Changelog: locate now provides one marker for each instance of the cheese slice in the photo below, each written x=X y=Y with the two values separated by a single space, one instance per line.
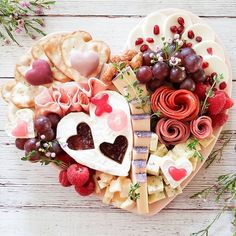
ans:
x=140 y=153
x=141 y=122
x=156 y=197
x=142 y=138
x=136 y=108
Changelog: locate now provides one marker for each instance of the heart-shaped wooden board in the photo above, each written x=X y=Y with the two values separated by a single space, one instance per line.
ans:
x=158 y=206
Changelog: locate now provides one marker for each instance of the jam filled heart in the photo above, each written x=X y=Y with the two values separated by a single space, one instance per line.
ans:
x=117 y=150
x=83 y=140
x=177 y=174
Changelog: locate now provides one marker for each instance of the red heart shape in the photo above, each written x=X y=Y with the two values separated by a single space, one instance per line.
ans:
x=39 y=74
x=21 y=130
x=177 y=174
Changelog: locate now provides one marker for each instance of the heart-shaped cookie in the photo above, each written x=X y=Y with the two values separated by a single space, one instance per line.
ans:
x=104 y=156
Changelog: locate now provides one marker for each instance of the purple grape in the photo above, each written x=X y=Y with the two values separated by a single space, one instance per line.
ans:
x=56 y=148
x=42 y=124
x=199 y=76
x=146 y=58
x=34 y=156
x=177 y=75
x=187 y=52
x=160 y=70
x=192 y=63
x=31 y=145
x=153 y=84
x=54 y=119
x=144 y=74
x=188 y=84
x=20 y=142
x=48 y=135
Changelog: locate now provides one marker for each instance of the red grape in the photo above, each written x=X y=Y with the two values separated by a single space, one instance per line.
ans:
x=34 y=157
x=54 y=119
x=146 y=58
x=56 y=148
x=20 y=142
x=199 y=76
x=192 y=63
x=144 y=74
x=179 y=55
x=42 y=124
x=31 y=145
x=48 y=135
x=160 y=70
x=153 y=84
x=188 y=84
x=177 y=75
x=187 y=52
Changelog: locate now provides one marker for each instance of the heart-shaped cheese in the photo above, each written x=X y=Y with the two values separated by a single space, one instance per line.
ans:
x=176 y=171
x=39 y=74
x=84 y=62
x=98 y=155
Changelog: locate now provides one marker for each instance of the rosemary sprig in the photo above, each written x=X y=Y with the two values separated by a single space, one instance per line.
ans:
x=210 y=93
x=193 y=146
x=132 y=192
x=14 y=18
x=218 y=153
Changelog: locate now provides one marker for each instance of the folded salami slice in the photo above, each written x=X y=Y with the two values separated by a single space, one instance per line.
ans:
x=201 y=127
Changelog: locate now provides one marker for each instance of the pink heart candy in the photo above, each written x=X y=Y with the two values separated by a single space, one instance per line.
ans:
x=177 y=173
x=39 y=74
x=21 y=130
x=84 y=62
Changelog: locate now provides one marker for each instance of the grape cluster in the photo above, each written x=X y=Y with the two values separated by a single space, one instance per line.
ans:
x=45 y=143
x=184 y=74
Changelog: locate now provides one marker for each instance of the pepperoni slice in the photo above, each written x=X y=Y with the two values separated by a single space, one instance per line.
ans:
x=201 y=127
x=177 y=104
x=172 y=132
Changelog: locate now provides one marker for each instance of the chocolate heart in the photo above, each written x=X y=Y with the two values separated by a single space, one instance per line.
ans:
x=117 y=150
x=83 y=139
x=84 y=62
x=39 y=74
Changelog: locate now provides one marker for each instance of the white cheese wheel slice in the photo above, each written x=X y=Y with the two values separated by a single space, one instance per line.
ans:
x=208 y=48
x=216 y=64
x=155 y=18
x=172 y=20
x=199 y=29
x=136 y=33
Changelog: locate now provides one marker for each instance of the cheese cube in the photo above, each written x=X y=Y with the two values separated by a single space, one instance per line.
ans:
x=153 y=165
x=117 y=200
x=107 y=196
x=125 y=187
x=171 y=192
x=165 y=179
x=153 y=143
x=155 y=184
x=128 y=204
x=106 y=178
x=102 y=184
x=205 y=142
x=161 y=150
x=182 y=150
x=194 y=161
x=156 y=197
x=115 y=185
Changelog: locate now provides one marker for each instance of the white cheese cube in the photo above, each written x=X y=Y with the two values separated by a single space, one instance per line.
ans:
x=128 y=204
x=182 y=150
x=205 y=142
x=107 y=196
x=161 y=150
x=102 y=184
x=155 y=184
x=194 y=161
x=115 y=185
x=153 y=142
x=156 y=197
x=171 y=192
x=153 y=165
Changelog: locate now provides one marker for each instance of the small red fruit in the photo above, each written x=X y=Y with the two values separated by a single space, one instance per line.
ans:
x=216 y=103
x=156 y=29
x=180 y=29
x=138 y=41
x=190 y=34
x=78 y=174
x=63 y=179
x=205 y=64
x=213 y=74
x=210 y=51
x=150 y=40
x=189 y=45
x=86 y=189
x=219 y=119
x=144 y=48
x=173 y=29
x=181 y=20
x=222 y=85
x=200 y=90
x=198 y=39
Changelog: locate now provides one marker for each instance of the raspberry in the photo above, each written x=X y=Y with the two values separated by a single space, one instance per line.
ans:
x=78 y=174
x=219 y=119
x=200 y=90
x=86 y=189
x=63 y=178
x=229 y=102
x=216 y=103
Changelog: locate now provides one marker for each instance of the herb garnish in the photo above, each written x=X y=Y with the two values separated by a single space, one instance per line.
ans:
x=193 y=146
x=132 y=192
x=210 y=93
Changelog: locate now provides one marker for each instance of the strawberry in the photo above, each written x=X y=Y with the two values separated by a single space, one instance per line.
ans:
x=200 y=90
x=86 y=189
x=216 y=103
x=219 y=119
x=63 y=178
x=78 y=174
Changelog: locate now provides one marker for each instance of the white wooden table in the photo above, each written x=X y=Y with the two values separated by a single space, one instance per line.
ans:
x=32 y=203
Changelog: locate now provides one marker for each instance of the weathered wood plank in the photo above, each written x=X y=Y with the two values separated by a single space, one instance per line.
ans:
x=139 y=7
x=114 y=31
x=71 y=221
